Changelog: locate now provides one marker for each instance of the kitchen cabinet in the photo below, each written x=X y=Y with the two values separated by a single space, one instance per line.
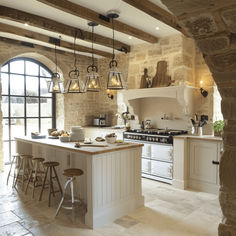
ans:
x=203 y=170
x=196 y=162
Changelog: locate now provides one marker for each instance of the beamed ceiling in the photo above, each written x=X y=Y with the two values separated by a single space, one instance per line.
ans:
x=48 y=19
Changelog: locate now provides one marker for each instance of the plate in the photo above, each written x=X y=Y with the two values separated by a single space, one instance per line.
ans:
x=53 y=137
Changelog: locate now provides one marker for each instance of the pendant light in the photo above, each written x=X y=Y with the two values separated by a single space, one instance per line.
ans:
x=55 y=85
x=74 y=84
x=92 y=81
x=114 y=80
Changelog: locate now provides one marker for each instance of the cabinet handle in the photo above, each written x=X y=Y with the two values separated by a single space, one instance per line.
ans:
x=215 y=162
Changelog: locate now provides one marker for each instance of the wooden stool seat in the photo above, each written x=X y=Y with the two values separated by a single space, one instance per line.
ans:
x=72 y=172
x=51 y=163
x=38 y=159
x=50 y=167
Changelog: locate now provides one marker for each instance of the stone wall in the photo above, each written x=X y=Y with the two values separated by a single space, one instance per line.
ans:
x=177 y=50
x=212 y=25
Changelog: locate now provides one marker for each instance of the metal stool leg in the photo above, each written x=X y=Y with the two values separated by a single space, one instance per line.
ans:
x=72 y=199
x=63 y=195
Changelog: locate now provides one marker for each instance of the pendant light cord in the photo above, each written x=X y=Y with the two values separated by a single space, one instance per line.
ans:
x=113 y=43
x=56 y=56
x=75 y=56
x=92 y=45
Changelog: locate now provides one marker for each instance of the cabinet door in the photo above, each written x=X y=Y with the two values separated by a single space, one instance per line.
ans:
x=202 y=153
x=162 y=152
x=146 y=152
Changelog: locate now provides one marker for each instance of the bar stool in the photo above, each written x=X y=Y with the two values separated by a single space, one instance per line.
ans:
x=25 y=166
x=71 y=174
x=15 y=162
x=50 y=166
x=36 y=174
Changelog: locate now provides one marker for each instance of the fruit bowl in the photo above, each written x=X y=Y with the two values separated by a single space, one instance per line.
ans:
x=64 y=139
x=111 y=139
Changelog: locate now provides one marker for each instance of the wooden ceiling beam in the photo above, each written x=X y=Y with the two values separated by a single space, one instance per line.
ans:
x=57 y=27
x=156 y=12
x=91 y=15
x=35 y=46
x=46 y=39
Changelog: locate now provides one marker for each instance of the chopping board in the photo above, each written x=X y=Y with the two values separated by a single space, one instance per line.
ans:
x=161 y=79
x=78 y=145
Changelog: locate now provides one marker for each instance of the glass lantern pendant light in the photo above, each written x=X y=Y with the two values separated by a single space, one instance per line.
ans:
x=74 y=84
x=92 y=81
x=55 y=85
x=114 y=80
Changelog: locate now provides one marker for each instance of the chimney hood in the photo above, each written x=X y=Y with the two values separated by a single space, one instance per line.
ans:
x=184 y=95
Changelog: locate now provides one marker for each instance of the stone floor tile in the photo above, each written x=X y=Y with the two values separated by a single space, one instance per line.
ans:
x=13 y=229
x=126 y=221
x=7 y=218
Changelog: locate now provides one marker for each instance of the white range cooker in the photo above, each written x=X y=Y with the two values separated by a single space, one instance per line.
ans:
x=157 y=155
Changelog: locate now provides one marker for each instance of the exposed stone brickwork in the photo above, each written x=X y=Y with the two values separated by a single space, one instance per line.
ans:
x=220 y=55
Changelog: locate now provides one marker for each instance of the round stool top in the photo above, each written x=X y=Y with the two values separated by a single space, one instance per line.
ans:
x=16 y=155
x=40 y=159
x=26 y=156
x=51 y=163
x=73 y=172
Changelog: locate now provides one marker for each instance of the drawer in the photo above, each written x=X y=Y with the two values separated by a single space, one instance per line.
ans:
x=146 y=166
x=162 y=152
x=162 y=169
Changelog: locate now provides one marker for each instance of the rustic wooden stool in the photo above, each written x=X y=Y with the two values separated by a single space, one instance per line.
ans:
x=71 y=174
x=50 y=166
x=25 y=166
x=36 y=174
x=15 y=162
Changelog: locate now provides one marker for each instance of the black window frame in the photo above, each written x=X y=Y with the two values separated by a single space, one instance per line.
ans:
x=9 y=96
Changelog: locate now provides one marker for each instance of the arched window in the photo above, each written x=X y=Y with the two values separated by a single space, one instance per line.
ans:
x=26 y=104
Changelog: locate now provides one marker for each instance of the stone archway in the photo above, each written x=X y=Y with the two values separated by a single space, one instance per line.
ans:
x=212 y=23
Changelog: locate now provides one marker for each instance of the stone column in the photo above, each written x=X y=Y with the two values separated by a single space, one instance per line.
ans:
x=213 y=26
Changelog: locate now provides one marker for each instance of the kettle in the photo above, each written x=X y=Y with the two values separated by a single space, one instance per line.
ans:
x=148 y=124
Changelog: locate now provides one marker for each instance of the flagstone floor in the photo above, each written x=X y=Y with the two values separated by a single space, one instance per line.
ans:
x=167 y=212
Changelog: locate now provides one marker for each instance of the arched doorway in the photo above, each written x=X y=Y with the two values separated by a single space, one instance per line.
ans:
x=26 y=104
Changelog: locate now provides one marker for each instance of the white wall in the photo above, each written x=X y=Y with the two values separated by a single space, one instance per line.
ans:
x=154 y=109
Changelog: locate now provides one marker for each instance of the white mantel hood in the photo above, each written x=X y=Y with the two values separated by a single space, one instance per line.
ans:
x=183 y=94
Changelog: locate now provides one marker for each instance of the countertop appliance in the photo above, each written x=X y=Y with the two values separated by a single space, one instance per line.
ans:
x=157 y=154
x=100 y=121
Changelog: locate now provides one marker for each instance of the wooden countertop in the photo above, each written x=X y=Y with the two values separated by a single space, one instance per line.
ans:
x=203 y=137
x=87 y=150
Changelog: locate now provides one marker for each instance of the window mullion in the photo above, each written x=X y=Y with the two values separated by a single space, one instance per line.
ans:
x=39 y=104
x=25 y=112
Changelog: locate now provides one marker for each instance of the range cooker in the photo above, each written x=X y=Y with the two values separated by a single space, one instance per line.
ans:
x=157 y=154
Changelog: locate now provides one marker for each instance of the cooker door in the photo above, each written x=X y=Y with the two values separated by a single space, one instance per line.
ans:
x=162 y=152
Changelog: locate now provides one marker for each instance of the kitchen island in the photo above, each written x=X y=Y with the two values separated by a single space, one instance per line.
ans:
x=111 y=184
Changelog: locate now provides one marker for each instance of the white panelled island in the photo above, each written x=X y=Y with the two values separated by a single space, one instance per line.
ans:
x=111 y=184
